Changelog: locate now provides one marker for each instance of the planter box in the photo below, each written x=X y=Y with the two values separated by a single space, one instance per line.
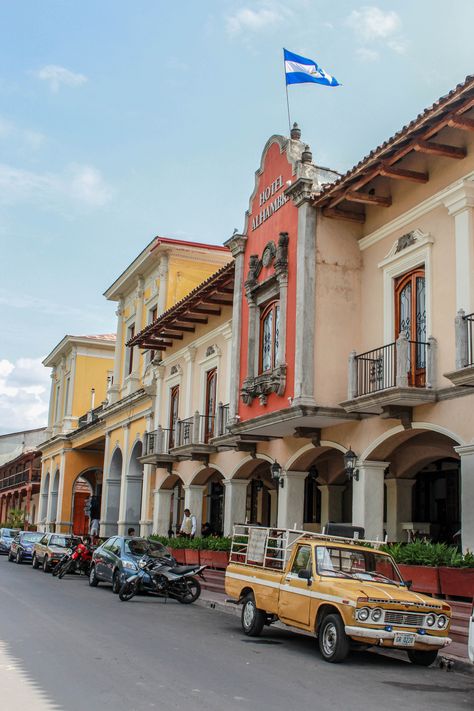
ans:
x=457 y=582
x=425 y=579
x=214 y=559
x=192 y=556
x=179 y=555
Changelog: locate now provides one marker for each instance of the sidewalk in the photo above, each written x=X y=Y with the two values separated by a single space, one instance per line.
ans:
x=455 y=653
x=19 y=693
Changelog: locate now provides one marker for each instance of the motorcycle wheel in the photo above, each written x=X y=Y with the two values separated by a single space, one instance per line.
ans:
x=57 y=568
x=192 y=592
x=65 y=569
x=127 y=591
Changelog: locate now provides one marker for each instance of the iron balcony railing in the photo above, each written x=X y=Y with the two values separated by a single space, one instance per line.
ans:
x=469 y=320
x=198 y=429
x=159 y=441
x=403 y=363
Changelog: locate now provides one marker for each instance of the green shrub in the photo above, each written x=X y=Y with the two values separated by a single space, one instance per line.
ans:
x=429 y=554
x=212 y=544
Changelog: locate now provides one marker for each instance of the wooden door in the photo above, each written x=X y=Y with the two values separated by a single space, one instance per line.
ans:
x=410 y=318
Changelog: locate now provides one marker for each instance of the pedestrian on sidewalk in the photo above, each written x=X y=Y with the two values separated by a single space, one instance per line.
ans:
x=188 y=526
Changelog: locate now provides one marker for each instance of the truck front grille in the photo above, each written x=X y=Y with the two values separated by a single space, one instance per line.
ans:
x=404 y=618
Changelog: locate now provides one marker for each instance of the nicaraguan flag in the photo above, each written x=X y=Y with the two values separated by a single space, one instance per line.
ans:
x=299 y=70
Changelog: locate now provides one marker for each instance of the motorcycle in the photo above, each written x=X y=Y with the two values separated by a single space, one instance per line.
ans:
x=157 y=576
x=78 y=561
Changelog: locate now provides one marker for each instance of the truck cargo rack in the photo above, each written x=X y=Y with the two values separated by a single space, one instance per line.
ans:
x=270 y=547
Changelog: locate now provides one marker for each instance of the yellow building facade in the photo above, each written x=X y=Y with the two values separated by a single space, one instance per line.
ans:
x=103 y=396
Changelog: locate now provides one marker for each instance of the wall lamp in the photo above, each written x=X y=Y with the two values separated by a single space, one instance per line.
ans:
x=276 y=473
x=350 y=459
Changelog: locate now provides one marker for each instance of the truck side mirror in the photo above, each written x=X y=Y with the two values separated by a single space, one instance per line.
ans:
x=408 y=583
x=305 y=575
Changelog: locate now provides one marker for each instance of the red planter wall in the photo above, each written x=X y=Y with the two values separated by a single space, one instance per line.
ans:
x=424 y=578
x=457 y=582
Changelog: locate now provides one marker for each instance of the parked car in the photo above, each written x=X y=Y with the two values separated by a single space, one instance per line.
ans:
x=50 y=549
x=116 y=559
x=471 y=635
x=6 y=537
x=21 y=549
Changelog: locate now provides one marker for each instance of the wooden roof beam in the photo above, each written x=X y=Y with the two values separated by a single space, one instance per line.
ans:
x=181 y=327
x=464 y=123
x=218 y=300
x=347 y=215
x=439 y=149
x=367 y=198
x=206 y=310
x=169 y=333
x=388 y=171
x=194 y=319
x=154 y=346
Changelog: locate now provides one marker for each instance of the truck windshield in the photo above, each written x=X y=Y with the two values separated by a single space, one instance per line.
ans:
x=357 y=564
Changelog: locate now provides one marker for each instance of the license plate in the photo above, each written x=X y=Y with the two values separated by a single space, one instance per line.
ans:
x=404 y=639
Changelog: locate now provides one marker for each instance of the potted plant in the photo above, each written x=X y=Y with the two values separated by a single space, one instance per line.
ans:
x=192 y=551
x=215 y=552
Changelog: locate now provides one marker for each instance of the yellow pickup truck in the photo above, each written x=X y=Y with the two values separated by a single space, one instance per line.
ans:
x=345 y=591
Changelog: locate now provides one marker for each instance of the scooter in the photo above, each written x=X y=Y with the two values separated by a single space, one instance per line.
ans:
x=157 y=576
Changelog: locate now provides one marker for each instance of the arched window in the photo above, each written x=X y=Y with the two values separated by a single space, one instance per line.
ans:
x=269 y=336
x=211 y=396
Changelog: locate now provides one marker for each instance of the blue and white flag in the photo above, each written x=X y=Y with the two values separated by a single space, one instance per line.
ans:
x=299 y=70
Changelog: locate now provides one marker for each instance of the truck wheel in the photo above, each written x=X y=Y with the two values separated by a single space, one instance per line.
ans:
x=422 y=659
x=333 y=641
x=252 y=619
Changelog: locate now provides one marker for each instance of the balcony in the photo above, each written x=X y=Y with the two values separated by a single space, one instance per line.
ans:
x=89 y=417
x=464 y=372
x=15 y=480
x=157 y=447
x=398 y=375
x=194 y=435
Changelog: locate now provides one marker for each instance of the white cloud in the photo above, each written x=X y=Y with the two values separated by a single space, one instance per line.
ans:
x=58 y=76
x=32 y=140
x=366 y=54
x=77 y=186
x=248 y=20
x=371 y=23
x=24 y=394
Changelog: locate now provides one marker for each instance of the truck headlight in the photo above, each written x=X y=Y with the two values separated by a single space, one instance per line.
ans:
x=442 y=622
x=431 y=620
x=376 y=614
x=363 y=614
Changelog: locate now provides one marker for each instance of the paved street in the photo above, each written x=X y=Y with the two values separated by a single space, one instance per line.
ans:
x=66 y=646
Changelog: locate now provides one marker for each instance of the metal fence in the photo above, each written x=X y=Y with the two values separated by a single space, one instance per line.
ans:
x=376 y=369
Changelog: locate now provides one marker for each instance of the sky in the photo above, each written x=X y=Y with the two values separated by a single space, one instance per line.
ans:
x=120 y=121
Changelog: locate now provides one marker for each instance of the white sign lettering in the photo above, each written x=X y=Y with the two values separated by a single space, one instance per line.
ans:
x=273 y=206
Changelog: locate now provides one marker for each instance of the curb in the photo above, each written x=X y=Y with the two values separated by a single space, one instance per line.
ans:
x=445 y=662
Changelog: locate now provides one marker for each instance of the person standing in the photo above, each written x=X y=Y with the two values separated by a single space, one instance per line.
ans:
x=188 y=526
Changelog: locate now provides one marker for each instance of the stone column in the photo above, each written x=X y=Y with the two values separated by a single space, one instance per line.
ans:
x=301 y=192
x=236 y=245
x=331 y=503
x=467 y=496
x=114 y=390
x=105 y=480
x=402 y=348
x=399 y=506
x=163 y=272
x=190 y=358
x=122 y=522
x=235 y=503
x=460 y=205
x=193 y=496
x=145 y=521
x=63 y=522
x=291 y=500
x=252 y=340
x=161 y=511
x=461 y=337
x=367 y=498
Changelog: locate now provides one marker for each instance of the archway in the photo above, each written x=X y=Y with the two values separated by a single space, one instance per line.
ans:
x=261 y=505
x=53 y=511
x=134 y=488
x=171 y=505
x=211 y=480
x=423 y=496
x=326 y=495
x=43 y=504
x=112 y=494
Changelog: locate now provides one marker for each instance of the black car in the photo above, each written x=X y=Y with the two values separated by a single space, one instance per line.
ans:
x=6 y=537
x=117 y=559
x=21 y=549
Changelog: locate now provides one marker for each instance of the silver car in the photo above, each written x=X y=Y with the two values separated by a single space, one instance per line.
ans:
x=6 y=537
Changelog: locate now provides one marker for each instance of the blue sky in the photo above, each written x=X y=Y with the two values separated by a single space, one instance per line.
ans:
x=120 y=121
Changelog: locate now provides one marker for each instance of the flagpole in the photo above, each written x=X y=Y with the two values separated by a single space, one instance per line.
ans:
x=287 y=99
